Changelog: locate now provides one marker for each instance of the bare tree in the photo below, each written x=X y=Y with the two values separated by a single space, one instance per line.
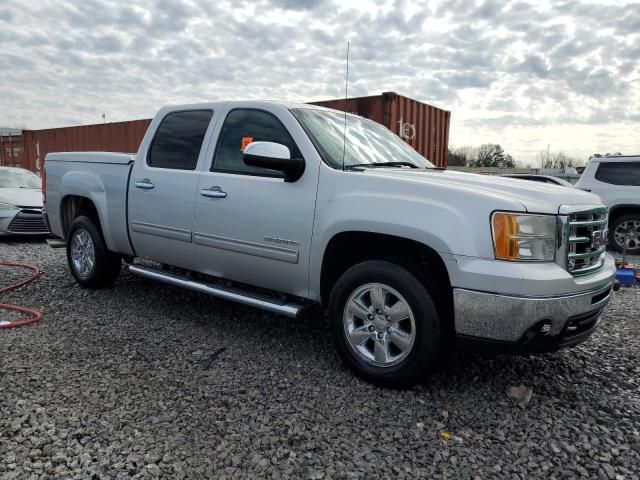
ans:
x=461 y=156
x=548 y=159
x=487 y=155
x=492 y=155
x=599 y=155
x=456 y=158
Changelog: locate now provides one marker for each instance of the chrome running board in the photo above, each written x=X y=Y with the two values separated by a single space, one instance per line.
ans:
x=252 y=299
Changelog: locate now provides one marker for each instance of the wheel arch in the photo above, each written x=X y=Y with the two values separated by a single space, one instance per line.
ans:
x=105 y=206
x=349 y=248
x=73 y=206
x=623 y=209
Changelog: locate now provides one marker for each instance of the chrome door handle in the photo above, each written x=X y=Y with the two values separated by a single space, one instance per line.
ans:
x=213 y=192
x=144 y=184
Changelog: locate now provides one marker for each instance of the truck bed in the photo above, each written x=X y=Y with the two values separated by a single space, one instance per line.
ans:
x=99 y=176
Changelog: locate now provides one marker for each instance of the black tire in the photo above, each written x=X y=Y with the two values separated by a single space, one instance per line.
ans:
x=634 y=235
x=425 y=350
x=106 y=265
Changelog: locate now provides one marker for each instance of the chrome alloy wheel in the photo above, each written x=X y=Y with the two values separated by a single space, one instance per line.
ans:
x=83 y=253
x=379 y=325
x=632 y=229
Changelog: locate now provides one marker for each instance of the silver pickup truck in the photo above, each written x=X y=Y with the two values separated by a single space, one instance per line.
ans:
x=283 y=206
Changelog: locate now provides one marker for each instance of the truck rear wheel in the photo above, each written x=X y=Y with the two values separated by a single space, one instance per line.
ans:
x=91 y=264
x=385 y=324
x=629 y=226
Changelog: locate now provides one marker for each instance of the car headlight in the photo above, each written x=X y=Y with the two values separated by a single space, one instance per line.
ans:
x=7 y=206
x=524 y=237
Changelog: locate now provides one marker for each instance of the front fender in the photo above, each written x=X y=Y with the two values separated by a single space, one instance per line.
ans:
x=449 y=218
x=433 y=223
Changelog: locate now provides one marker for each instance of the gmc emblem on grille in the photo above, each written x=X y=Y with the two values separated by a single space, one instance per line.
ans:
x=597 y=239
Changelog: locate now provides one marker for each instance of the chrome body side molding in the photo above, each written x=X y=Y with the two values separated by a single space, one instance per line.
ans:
x=288 y=255
x=161 y=231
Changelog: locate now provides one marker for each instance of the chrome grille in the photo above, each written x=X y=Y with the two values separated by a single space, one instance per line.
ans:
x=28 y=221
x=587 y=240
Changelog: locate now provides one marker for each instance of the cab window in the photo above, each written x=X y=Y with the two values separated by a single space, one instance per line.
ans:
x=178 y=140
x=241 y=127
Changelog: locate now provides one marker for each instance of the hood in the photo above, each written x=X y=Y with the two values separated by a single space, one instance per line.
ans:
x=22 y=197
x=535 y=197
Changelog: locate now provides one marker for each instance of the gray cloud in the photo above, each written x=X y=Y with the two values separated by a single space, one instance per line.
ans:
x=299 y=4
x=107 y=43
x=6 y=15
x=535 y=65
x=496 y=65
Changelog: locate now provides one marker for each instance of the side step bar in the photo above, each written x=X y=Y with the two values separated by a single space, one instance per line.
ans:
x=233 y=294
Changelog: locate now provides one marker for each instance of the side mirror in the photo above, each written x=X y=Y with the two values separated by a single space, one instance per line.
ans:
x=273 y=156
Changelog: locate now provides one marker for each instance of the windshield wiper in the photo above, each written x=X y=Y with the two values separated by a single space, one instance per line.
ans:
x=381 y=164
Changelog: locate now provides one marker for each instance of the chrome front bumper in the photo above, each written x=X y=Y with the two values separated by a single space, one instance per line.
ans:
x=516 y=319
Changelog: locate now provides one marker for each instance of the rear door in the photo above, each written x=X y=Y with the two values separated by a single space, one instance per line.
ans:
x=162 y=188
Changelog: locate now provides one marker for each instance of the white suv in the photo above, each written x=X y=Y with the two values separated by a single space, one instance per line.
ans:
x=616 y=180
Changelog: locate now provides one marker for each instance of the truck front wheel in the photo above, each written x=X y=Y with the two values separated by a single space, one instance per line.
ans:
x=91 y=264
x=385 y=325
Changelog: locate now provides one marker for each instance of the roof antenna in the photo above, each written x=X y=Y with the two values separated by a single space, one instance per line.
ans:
x=346 y=91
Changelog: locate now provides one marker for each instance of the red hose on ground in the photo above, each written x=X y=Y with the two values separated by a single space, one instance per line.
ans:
x=36 y=316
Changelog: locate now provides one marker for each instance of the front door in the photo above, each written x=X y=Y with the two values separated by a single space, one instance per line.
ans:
x=250 y=225
x=162 y=189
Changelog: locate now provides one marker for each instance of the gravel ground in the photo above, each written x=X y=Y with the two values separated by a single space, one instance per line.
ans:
x=121 y=383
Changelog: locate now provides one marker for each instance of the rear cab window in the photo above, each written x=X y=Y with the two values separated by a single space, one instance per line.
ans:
x=178 y=140
x=619 y=173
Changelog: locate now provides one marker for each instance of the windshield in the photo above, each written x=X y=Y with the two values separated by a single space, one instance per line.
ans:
x=10 y=178
x=367 y=143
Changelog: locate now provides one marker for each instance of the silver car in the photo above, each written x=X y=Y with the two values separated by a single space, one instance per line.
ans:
x=540 y=178
x=20 y=203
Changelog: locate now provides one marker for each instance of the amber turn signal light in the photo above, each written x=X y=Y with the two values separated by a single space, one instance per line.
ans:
x=505 y=236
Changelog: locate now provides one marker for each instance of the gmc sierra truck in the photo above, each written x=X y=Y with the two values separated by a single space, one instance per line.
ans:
x=284 y=206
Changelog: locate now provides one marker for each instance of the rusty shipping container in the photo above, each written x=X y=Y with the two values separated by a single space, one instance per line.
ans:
x=424 y=127
x=108 y=137
x=12 y=151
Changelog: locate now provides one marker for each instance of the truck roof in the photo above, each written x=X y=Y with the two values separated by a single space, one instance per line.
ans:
x=212 y=105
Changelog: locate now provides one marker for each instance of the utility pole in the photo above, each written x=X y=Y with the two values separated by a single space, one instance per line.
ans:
x=548 y=151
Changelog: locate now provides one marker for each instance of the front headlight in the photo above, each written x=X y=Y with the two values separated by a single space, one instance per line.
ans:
x=524 y=237
x=7 y=206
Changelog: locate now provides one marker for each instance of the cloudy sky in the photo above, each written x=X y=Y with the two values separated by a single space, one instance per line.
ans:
x=527 y=75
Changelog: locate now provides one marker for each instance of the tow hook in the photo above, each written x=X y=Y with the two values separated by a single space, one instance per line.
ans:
x=616 y=285
x=545 y=327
